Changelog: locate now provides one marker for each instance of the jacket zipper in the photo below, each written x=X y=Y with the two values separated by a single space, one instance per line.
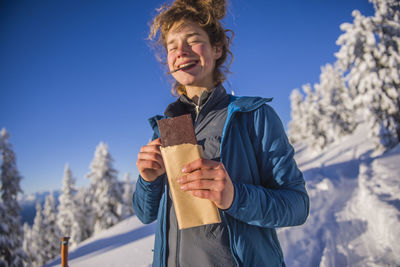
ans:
x=197 y=110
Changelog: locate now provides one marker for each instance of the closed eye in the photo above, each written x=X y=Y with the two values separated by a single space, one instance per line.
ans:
x=171 y=49
x=194 y=42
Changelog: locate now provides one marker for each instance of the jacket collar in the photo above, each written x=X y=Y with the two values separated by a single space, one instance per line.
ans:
x=241 y=104
x=246 y=103
x=184 y=105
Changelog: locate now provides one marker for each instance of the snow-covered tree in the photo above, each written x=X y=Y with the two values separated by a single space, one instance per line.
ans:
x=53 y=234
x=297 y=124
x=3 y=231
x=11 y=252
x=336 y=115
x=27 y=243
x=370 y=54
x=69 y=210
x=37 y=253
x=126 y=207
x=86 y=221
x=315 y=136
x=105 y=189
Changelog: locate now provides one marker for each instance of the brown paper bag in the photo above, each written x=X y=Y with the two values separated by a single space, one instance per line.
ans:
x=190 y=211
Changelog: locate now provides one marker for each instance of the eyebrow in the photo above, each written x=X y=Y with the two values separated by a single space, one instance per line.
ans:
x=186 y=37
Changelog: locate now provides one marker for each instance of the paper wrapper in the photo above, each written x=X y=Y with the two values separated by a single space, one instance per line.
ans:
x=190 y=211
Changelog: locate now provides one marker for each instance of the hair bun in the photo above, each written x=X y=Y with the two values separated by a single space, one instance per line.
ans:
x=215 y=8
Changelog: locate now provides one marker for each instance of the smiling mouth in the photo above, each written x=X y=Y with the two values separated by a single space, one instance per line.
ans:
x=184 y=66
x=187 y=65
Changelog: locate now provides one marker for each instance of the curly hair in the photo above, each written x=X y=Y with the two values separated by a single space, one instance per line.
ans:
x=207 y=14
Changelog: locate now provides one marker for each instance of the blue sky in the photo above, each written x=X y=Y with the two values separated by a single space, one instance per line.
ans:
x=75 y=73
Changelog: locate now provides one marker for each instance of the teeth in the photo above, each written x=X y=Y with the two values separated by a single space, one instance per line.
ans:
x=186 y=65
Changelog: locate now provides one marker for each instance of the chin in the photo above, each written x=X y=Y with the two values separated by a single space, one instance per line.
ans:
x=190 y=80
x=186 y=82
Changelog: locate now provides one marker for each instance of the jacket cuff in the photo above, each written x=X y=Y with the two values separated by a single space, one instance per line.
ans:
x=234 y=206
x=151 y=186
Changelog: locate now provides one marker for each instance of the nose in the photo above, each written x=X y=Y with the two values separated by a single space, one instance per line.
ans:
x=182 y=50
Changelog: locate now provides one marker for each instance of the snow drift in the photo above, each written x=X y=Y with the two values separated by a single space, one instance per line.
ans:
x=354 y=217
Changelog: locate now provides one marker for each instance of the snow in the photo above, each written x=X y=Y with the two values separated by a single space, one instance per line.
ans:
x=376 y=203
x=354 y=218
x=128 y=243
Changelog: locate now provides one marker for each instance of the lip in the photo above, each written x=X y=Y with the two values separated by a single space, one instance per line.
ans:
x=186 y=62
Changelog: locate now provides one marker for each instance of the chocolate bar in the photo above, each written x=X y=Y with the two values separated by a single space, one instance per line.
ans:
x=177 y=130
x=179 y=147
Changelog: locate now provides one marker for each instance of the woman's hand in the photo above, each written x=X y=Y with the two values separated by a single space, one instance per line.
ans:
x=150 y=162
x=208 y=179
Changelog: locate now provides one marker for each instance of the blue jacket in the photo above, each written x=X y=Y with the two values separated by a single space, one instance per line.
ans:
x=269 y=188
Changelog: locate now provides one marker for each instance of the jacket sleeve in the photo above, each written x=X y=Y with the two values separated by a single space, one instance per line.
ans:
x=146 y=199
x=281 y=198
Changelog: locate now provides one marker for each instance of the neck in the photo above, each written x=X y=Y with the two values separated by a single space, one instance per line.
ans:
x=194 y=92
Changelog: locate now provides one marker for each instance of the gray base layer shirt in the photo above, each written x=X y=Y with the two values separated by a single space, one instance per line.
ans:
x=206 y=245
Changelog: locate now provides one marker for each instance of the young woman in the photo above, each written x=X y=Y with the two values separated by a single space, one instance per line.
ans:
x=248 y=171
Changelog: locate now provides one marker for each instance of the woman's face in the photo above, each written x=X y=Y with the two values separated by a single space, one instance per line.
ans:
x=188 y=45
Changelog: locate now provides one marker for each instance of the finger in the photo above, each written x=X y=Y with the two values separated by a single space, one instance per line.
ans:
x=210 y=174
x=155 y=142
x=151 y=148
x=201 y=164
x=148 y=164
x=150 y=156
x=211 y=185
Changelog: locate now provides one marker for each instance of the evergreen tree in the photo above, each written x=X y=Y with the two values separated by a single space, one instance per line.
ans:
x=38 y=239
x=336 y=115
x=296 y=129
x=11 y=252
x=105 y=189
x=127 y=208
x=315 y=136
x=3 y=232
x=26 y=244
x=53 y=234
x=69 y=210
x=370 y=53
x=84 y=199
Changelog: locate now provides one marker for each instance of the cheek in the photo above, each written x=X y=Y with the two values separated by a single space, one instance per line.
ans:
x=206 y=54
x=201 y=51
x=170 y=61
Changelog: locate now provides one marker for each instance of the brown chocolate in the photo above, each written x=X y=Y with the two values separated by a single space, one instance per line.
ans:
x=177 y=130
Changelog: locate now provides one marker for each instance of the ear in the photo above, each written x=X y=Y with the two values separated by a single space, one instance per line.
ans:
x=218 y=51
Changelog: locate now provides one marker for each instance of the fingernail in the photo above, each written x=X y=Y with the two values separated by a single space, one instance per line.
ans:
x=180 y=180
x=183 y=187
x=183 y=169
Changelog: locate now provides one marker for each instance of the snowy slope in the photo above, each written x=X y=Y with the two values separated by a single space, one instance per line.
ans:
x=354 y=218
x=355 y=207
x=129 y=243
